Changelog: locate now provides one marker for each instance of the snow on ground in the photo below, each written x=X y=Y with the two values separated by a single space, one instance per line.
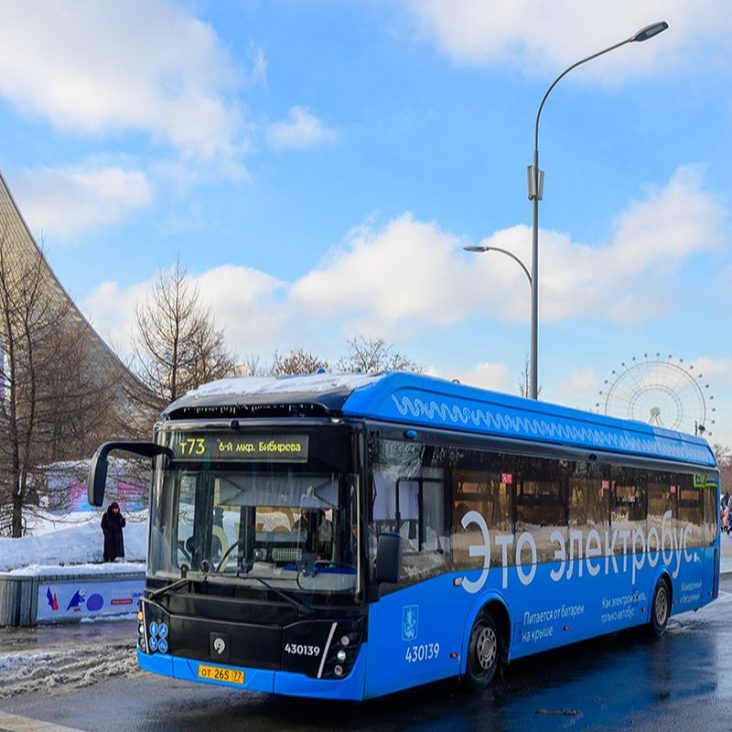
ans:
x=68 y=544
x=65 y=668
x=58 y=540
x=69 y=570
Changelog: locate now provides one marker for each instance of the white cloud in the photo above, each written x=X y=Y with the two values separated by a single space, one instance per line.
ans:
x=713 y=371
x=408 y=272
x=412 y=273
x=494 y=376
x=301 y=129
x=626 y=279
x=409 y=276
x=580 y=383
x=707 y=366
x=64 y=202
x=141 y=65
x=241 y=300
x=244 y=302
x=537 y=36
x=111 y=310
x=259 y=67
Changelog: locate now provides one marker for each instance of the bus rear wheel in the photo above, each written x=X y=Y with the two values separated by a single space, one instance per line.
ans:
x=660 y=608
x=484 y=652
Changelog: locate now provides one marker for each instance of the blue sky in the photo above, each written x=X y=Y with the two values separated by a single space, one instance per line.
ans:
x=318 y=166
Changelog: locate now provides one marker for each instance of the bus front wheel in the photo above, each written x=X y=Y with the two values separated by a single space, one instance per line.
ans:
x=660 y=608
x=484 y=652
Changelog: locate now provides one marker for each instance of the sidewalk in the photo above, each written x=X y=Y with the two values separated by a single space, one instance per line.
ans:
x=725 y=560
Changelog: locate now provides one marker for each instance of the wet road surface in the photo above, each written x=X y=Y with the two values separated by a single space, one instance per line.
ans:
x=625 y=681
x=47 y=637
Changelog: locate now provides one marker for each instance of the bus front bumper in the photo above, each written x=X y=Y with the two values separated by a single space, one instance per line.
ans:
x=350 y=687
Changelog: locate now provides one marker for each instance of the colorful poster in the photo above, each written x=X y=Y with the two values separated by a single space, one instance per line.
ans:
x=78 y=599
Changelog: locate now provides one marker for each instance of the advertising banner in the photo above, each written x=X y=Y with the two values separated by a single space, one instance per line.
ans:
x=75 y=599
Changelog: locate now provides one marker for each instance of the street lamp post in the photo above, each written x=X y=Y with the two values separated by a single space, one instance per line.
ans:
x=536 y=185
x=502 y=251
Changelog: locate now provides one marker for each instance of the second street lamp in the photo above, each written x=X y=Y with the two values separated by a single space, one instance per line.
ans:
x=502 y=251
x=536 y=185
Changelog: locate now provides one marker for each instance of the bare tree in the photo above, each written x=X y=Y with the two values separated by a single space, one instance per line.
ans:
x=53 y=402
x=251 y=365
x=177 y=344
x=724 y=464
x=523 y=385
x=370 y=355
x=297 y=361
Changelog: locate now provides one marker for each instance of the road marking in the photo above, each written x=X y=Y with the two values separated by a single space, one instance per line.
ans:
x=13 y=723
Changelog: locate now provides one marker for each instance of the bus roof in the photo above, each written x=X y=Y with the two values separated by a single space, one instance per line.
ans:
x=431 y=402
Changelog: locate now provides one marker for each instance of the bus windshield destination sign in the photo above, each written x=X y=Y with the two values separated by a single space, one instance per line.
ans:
x=241 y=448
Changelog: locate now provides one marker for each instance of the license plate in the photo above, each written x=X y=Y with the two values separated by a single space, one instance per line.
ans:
x=215 y=673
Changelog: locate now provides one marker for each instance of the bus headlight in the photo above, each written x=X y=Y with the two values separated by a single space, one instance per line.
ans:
x=343 y=652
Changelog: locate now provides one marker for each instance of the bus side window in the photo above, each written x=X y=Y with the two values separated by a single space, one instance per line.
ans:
x=482 y=483
x=422 y=524
x=662 y=499
x=588 y=504
x=408 y=498
x=711 y=513
x=433 y=516
x=187 y=484
x=691 y=511
x=541 y=505
x=628 y=504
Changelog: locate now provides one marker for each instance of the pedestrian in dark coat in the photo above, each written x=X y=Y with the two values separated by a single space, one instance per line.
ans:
x=112 y=524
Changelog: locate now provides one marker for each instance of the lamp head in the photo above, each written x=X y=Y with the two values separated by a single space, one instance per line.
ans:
x=475 y=249
x=649 y=31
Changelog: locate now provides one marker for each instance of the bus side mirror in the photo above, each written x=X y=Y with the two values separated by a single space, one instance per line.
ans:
x=97 y=479
x=388 y=558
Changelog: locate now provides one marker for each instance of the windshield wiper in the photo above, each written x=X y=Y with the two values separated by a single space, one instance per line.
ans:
x=168 y=588
x=303 y=607
x=184 y=580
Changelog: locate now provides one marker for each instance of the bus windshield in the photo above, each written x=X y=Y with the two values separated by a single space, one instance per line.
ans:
x=291 y=522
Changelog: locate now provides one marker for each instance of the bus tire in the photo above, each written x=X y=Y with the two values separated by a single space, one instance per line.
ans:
x=484 y=652
x=660 y=608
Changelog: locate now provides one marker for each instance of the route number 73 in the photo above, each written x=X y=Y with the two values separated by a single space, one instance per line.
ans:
x=193 y=446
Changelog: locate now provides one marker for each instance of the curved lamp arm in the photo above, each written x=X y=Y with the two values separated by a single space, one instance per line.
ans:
x=642 y=35
x=503 y=251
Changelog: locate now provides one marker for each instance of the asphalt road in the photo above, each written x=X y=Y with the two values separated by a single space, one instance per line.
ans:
x=625 y=681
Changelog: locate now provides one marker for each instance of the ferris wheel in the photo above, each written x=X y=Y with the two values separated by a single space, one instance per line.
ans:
x=662 y=391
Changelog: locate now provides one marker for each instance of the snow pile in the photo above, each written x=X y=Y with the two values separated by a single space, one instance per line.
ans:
x=45 y=671
x=72 y=539
x=247 y=385
x=69 y=570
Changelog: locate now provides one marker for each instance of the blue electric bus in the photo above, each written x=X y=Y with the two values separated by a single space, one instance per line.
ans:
x=348 y=536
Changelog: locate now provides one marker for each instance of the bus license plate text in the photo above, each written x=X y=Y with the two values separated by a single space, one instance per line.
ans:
x=221 y=674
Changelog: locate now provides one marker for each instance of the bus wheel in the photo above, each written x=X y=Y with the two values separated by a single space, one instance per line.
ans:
x=483 y=652
x=660 y=609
